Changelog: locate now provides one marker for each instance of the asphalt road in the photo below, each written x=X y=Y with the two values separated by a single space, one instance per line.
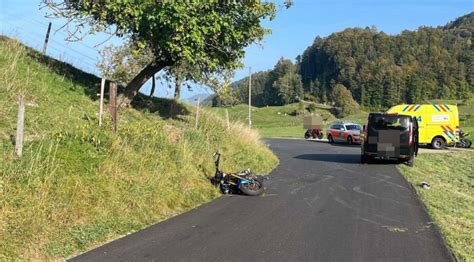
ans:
x=320 y=205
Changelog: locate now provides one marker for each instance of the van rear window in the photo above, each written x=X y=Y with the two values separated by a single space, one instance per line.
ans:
x=394 y=122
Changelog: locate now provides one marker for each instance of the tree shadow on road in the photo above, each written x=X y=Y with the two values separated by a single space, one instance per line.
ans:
x=343 y=158
x=333 y=144
x=336 y=158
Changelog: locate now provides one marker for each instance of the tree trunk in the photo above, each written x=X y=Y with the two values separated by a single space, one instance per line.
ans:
x=132 y=88
x=177 y=87
x=152 y=86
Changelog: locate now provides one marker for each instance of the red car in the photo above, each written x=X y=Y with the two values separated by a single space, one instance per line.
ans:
x=346 y=132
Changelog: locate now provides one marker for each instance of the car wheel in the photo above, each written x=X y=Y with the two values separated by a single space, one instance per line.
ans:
x=330 y=139
x=349 y=140
x=306 y=135
x=410 y=160
x=438 y=143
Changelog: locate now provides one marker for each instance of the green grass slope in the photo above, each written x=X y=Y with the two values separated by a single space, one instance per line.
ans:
x=77 y=185
x=450 y=201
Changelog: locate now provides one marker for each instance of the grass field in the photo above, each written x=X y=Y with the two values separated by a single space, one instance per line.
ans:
x=77 y=185
x=286 y=121
x=281 y=121
x=450 y=201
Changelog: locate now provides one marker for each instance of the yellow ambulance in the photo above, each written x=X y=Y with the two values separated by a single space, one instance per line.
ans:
x=438 y=123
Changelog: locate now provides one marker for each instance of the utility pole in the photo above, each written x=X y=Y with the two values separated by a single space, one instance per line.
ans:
x=46 y=39
x=250 y=97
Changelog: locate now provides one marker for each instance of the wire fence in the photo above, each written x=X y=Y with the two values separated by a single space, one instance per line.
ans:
x=32 y=31
x=26 y=30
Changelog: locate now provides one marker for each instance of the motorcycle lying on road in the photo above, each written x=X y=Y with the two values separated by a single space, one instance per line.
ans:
x=464 y=142
x=241 y=182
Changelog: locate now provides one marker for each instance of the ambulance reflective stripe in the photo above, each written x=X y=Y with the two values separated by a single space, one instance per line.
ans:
x=451 y=131
x=411 y=108
x=447 y=130
x=445 y=105
x=435 y=106
x=442 y=108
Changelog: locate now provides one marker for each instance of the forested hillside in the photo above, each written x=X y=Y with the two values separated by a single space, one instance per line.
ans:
x=379 y=70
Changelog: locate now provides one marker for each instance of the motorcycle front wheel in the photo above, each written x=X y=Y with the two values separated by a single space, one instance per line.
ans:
x=466 y=143
x=254 y=188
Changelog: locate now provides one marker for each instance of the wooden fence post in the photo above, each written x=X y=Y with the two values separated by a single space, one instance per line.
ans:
x=20 y=126
x=227 y=118
x=113 y=103
x=197 y=113
x=101 y=100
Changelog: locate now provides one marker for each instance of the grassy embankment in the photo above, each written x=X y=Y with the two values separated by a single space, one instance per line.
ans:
x=77 y=185
x=450 y=201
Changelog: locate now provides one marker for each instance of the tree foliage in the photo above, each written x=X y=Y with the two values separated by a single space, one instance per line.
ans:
x=344 y=104
x=382 y=70
x=123 y=63
x=210 y=35
x=279 y=86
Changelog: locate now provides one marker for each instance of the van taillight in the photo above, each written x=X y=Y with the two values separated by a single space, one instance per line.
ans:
x=457 y=130
x=366 y=133
x=410 y=142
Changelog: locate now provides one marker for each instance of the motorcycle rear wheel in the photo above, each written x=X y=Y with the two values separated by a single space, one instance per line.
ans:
x=254 y=188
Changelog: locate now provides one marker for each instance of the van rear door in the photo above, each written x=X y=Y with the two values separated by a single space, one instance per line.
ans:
x=388 y=135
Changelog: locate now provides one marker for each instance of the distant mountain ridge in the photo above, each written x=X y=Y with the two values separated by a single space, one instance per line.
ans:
x=193 y=100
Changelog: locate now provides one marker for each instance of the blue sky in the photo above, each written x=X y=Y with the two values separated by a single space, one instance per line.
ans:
x=293 y=29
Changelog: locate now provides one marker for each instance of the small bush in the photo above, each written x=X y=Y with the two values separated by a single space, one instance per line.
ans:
x=311 y=108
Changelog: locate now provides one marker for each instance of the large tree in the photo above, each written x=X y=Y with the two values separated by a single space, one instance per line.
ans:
x=210 y=35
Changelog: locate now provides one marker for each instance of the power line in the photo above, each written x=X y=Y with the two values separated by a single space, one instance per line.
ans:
x=92 y=59
x=35 y=22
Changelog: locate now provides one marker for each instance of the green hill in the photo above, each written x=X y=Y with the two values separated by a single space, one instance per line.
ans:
x=379 y=70
x=78 y=185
